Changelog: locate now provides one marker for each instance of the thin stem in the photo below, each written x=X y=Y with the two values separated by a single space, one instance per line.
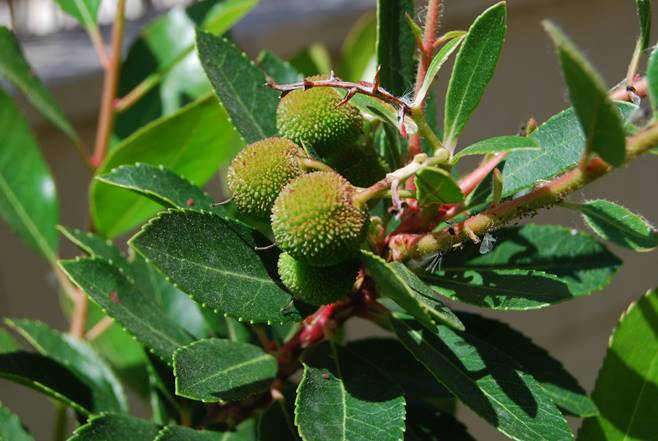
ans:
x=432 y=23
x=12 y=15
x=99 y=45
x=417 y=114
x=312 y=164
x=99 y=328
x=110 y=84
x=60 y=426
x=635 y=61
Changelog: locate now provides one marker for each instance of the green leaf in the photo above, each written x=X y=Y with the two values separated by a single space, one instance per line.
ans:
x=45 y=375
x=96 y=247
x=343 y=397
x=240 y=86
x=279 y=70
x=474 y=68
x=396 y=46
x=276 y=423
x=137 y=312
x=540 y=265
x=180 y=433
x=626 y=390
x=396 y=281
x=191 y=143
x=115 y=427
x=604 y=130
x=617 y=224
x=652 y=78
x=436 y=186
x=217 y=370
x=437 y=62
x=28 y=199
x=486 y=380
x=562 y=144
x=497 y=145
x=312 y=60
x=214 y=261
x=84 y=11
x=7 y=342
x=644 y=14
x=11 y=428
x=79 y=358
x=558 y=383
x=15 y=68
x=432 y=425
x=358 y=50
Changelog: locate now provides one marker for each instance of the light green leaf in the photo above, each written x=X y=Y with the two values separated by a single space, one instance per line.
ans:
x=530 y=267
x=114 y=428
x=240 y=86
x=617 y=224
x=343 y=397
x=652 y=78
x=396 y=46
x=180 y=433
x=279 y=70
x=136 y=311
x=7 y=342
x=191 y=143
x=84 y=11
x=217 y=370
x=626 y=390
x=474 y=68
x=28 y=199
x=396 y=281
x=486 y=380
x=644 y=14
x=498 y=144
x=358 y=50
x=604 y=130
x=439 y=60
x=436 y=186
x=79 y=358
x=214 y=261
x=558 y=383
x=11 y=428
x=14 y=67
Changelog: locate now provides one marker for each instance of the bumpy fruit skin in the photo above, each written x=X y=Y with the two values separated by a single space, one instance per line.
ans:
x=315 y=221
x=315 y=285
x=311 y=119
x=260 y=171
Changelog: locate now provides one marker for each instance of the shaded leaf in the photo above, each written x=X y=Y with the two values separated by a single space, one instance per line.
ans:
x=343 y=397
x=497 y=145
x=222 y=370
x=358 y=51
x=96 y=246
x=436 y=186
x=179 y=433
x=604 y=130
x=28 y=199
x=644 y=14
x=11 y=428
x=115 y=427
x=279 y=70
x=396 y=46
x=474 y=68
x=437 y=62
x=396 y=281
x=486 y=380
x=626 y=390
x=276 y=423
x=214 y=261
x=240 y=86
x=425 y=423
x=312 y=60
x=84 y=11
x=137 y=312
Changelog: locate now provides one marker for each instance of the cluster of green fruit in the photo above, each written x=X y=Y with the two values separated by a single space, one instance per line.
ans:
x=315 y=218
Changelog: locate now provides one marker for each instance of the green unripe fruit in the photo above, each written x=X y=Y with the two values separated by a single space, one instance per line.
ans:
x=312 y=119
x=315 y=285
x=315 y=220
x=260 y=171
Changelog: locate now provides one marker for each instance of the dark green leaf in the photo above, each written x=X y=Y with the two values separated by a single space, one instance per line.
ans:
x=474 y=68
x=214 y=261
x=222 y=370
x=28 y=200
x=11 y=428
x=652 y=78
x=84 y=11
x=558 y=383
x=114 y=428
x=343 y=397
x=486 y=380
x=540 y=264
x=626 y=390
x=497 y=145
x=14 y=67
x=425 y=423
x=312 y=60
x=137 y=312
x=45 y=375
x=604 y=130
x=436 y=186
x=617 y=224
x=79 y=358
x=279 y=70
x=358 y=51
x=179 y=433
x=396 y=46
x=96 y=246
x=562 y=145
x=396 y=281
x=191 y=143
x=439 y=59
x=240 y=86
x=644 y=14
x=276 y=423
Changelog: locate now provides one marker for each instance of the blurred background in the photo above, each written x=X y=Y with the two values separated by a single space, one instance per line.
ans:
x=527 y=83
